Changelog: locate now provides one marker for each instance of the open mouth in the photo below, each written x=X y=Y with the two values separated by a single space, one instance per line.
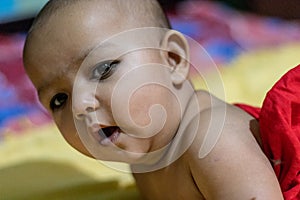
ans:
x=110 y=134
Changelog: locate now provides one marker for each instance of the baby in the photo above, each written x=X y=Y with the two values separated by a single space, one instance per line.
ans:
x=114 y=76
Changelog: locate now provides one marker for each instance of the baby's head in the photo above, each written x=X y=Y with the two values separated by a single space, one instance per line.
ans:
x=96 y=65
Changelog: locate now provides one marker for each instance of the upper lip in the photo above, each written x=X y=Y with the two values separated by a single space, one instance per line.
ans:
x=95 y=129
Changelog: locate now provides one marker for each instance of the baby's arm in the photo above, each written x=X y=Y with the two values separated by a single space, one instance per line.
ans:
x=236 y=168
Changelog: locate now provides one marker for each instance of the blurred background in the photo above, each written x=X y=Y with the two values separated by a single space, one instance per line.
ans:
x=252 y=43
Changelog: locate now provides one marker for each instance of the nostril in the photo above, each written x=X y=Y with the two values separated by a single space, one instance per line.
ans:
x=79 y=116
x=89 y=109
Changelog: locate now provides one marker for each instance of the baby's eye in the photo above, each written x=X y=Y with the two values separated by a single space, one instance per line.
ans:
x=104 y=69
x=58 y=101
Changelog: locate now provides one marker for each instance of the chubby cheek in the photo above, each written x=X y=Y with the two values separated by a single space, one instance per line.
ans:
x=152 y=106
x=140 y=104
x=67 y=128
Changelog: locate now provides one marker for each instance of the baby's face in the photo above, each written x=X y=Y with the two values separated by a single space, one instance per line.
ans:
x=112 y=98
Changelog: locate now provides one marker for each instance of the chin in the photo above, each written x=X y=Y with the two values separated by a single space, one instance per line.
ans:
x=130 y=157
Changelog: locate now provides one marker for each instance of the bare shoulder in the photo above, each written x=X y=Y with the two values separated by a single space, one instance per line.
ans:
x=220 y=123
x=225 y=159
x=217 y=115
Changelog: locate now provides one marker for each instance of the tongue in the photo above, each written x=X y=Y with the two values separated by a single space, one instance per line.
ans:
x=111 y=139
x=111 y=135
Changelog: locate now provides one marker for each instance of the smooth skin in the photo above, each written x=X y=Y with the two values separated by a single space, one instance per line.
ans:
x=235 y=168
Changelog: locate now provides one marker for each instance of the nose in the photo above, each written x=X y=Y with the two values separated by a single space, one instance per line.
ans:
x=84 y=102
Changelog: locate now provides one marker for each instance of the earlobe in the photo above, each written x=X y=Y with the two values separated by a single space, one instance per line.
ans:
x=175 y=53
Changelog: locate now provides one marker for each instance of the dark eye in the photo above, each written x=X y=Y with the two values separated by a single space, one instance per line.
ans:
x=103 y=70
x=58 y=101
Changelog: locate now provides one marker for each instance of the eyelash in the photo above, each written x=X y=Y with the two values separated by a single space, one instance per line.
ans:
x=59 y=98
x=106 y=69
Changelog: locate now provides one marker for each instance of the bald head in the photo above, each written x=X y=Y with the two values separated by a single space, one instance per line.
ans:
x=102 y=42
x=137 y=13
x=66 y=31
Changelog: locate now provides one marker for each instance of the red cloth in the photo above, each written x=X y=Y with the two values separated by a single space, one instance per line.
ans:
x=279 y=120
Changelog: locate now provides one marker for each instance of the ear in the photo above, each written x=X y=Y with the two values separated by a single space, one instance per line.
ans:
x=175 y=53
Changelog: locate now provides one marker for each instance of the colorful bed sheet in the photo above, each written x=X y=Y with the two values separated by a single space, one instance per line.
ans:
x=251 y=53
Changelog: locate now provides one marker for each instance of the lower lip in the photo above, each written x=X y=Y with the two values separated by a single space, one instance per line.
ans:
x=112 y=139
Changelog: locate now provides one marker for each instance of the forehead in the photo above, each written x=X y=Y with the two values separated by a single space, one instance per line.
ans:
x=69 y=35
x=65 y=38
x=69 y=28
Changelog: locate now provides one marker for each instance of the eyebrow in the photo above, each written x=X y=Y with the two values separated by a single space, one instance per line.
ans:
x=78 y=61
x=41 y=90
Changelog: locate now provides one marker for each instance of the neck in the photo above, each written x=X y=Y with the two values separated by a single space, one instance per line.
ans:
x=179 y=144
